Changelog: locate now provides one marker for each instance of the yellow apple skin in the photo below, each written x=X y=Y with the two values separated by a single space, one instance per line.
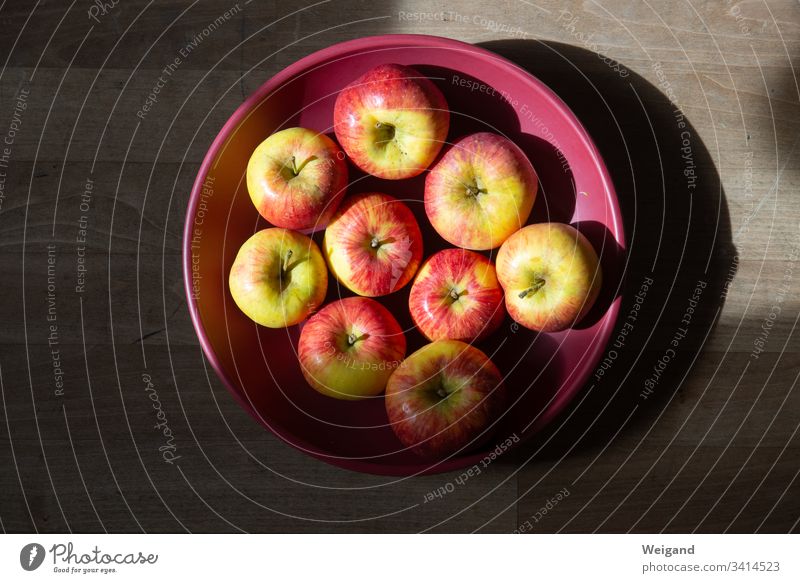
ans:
x=550 y=274
x=480 y=191
x=278 y=277
x=297 y=178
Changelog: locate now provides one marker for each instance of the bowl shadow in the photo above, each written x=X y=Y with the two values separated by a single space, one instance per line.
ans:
x=679 y=242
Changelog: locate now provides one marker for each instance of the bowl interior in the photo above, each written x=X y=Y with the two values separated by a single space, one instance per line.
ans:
x=485 y=93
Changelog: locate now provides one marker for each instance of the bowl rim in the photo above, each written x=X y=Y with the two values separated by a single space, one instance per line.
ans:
x=316 y=59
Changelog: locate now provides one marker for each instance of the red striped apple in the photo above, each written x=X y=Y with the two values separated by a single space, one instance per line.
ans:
x=373 y=244
x=550 y=274
x=278 y=277
x=297 y=178
x=391 y=121
x=480 y=191
x=456 y=295
x=443 y=398
x=349 y=349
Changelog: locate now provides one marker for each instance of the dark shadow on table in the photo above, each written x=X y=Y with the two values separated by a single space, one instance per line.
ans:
x=678 y=238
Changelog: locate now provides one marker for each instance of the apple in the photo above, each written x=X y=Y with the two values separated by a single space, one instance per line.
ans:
x=296 y=178
x=456 y=295
x=373 y=244
x=391 y=121
x=550 y=274
x=444 y=398
x=480 y=191
x=278 y=277
x=349 y=349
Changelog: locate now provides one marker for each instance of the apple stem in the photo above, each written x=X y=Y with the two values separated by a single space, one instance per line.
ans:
x=454 y=294
x=375 y=243
x=474 y=190
x=538 y=283
x=352 y=338
x=294 y=166
x=441 y=392
x=289 y=254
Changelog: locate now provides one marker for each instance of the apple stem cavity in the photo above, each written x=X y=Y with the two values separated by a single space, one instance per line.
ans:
x=386 y=132
x=538 y=283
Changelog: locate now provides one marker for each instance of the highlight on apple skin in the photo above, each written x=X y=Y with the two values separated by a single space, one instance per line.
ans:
x=278 y=277
x=392 y=121
x=456 y=295
x=480 y=192
x=297 y=178
x=373 y=244
x=349 y=349
x=443 y=398
x=551 y=276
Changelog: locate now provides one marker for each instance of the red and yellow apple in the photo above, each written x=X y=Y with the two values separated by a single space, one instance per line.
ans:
x=550 y=274
x=278 y=277
x=373 y=244
x=297 y=178
x=391 y=121
x=444 y=398
x=480 y=191
x=349 y=349
x=456 y=295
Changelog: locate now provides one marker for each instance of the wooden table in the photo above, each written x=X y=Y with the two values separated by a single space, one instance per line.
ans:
x=695 y=107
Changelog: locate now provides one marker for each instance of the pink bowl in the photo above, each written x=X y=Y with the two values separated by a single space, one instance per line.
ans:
x=485 y=92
